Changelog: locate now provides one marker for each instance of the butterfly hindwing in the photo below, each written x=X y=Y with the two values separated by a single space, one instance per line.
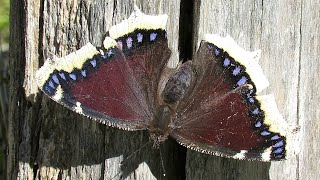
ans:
x=222 y=114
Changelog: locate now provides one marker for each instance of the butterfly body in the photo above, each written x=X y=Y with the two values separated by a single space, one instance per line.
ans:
x=208 y=104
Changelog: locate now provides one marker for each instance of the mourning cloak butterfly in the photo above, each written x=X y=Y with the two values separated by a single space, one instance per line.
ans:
x=208 y=104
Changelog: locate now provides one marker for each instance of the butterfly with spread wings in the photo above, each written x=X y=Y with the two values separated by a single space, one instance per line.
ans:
x=209 y=104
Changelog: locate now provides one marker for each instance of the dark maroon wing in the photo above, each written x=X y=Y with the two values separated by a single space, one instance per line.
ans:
x=221 y=114
x=114 y=84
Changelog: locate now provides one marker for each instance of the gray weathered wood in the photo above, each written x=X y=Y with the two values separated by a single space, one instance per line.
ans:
x=287 y=32
x=309 y=91
x=4 y=101
x=48 y=141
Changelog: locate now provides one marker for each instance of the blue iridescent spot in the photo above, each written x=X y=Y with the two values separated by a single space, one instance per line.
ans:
x=51 y=84
x=110 y=53
x=55 y=79
x=153 y=36
x=210 y=46
x=258 y=124
x=48 y=90
x=61 y=74
x=217 y=51
x=73 y=76
x=255 y=111
x=139 y=37
x=250 y=93
x=278 y=156
x=120 y=44
x=278 y=144
x=93 y=62
x=275 y=137
x=277 y=151
x=265 y=133
x=129 y=42
x=226 y=62
x=249 y=96
x=236 y=71
x=84 y=73
x=242 y=81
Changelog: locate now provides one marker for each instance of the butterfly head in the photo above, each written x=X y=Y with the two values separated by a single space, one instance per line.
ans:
x=158 y=138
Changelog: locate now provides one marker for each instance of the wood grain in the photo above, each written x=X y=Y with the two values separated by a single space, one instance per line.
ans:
x=309 y=91
x=47 y=141
x=287 y=34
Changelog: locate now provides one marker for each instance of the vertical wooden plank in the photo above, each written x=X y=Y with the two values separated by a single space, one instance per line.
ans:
x=94 y=150
x=49 y=142
x=273 y=27
x=280 y=44
x=17 y=100
x=309 y=91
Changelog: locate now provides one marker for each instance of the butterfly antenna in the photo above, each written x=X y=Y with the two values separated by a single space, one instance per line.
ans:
x=135 y=152
x=162 y=164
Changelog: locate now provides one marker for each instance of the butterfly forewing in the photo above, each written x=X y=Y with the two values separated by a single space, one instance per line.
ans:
x=118 y=83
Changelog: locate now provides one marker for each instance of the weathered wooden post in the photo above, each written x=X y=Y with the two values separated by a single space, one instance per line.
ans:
x=47 y=141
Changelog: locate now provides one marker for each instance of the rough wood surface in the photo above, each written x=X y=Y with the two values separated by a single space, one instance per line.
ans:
x=47 y=141
x=287 y=32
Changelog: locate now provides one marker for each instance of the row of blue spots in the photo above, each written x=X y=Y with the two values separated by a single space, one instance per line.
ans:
x=50 y=86
x=242 y=81
x=93 y=63
x=278 y=149
x=73 y=76
x=55 y=79
x=139 y=39
x=227 y=62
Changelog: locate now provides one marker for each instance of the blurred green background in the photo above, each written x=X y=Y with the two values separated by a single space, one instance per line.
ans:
x=4 y=21
x=4 y=81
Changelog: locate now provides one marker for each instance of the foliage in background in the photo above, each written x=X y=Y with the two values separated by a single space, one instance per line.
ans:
x=4 y=21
